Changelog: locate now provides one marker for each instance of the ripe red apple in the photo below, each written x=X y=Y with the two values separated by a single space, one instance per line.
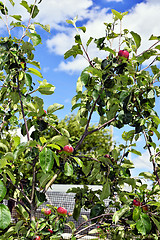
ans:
x=107 y=156
x=68 y=149
x=50 y=230
x=123 y=53
x=61 y=211
x=136 y=202
x=38 y=238
x=45 y=112
x=46 y=211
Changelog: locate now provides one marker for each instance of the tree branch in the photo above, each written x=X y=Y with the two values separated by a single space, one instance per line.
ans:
x=21 y=191
x=152 y=158
x=21 y=203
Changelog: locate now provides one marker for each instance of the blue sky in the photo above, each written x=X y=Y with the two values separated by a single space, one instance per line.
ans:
x=143 y=18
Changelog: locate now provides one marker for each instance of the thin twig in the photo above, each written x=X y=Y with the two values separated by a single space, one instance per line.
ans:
x=51 y=182
x=87 y=125
x=21 y=203
x=148 y=48
x=152 y=158
x=21 y=191
x=22 y=109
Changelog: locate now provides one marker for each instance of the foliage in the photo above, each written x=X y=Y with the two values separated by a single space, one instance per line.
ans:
x=99 y=144
x=121 y=92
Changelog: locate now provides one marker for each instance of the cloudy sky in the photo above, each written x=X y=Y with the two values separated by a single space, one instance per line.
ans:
x=143 y=17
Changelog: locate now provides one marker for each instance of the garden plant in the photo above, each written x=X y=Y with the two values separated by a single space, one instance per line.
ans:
x=123 y=93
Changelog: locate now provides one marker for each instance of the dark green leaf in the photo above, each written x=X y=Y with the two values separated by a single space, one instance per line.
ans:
x=74 y=51
x=76 y=211
x=34 y=10
x=105 y=191
x=96 y=211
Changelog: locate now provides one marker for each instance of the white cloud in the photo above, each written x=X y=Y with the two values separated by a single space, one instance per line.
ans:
x=142 y=19
x=143 y=162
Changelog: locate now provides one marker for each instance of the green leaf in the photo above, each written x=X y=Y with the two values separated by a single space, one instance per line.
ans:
x=46 y=88
x=152 y=37
x=96 y=211
x=34 y=10
x=147 y=175
x=18 y=225
x=17 y=17
x=35 y=72
x=3 y=190
x=68 y=169
x=74 y=51
x=25 y=5
x=156 y=222
x=45 y=27
x=36 y=38
x=105 y=191
x=3 y=147
x=5 y=216
x=118 y=214
x=54 y=107
x=71 y=225
x=136 y=213
x=28 y=79
x=89 y=41
x=82 y=28
x=137 y=39
x=60 y=140
x=144 y=224
x=11 y=176
x=117 y=14
x=46 y=160
x=135 y=152
x=79 y=85
x=76 y=211
x=80 y=163
x=12 y=2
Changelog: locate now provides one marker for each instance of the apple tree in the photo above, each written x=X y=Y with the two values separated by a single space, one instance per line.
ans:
x=121 y=91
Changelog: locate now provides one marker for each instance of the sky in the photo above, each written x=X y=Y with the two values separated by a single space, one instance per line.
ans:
x=143 y=17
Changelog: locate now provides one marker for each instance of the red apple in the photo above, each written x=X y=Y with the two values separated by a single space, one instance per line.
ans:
x=61 y=211
x=145 y=208
x=136 y=202
x=123 y=53
x=70 y=214
x=38 y=238
x=50 y=230
x=45 y=112
x=46 y=211
x=107 y=156
x=68 y=149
